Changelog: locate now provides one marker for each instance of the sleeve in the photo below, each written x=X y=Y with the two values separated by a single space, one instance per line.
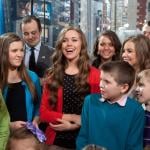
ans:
x=94 y=80
x=135 y=138
x=47 y=113
x=39 y=92
x=4 y=124
x=82 y=138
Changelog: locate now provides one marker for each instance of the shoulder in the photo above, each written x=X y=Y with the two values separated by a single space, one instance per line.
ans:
x=94 y=69
x=92 y=98
x=46 y=47
x=94 y=73
x=32 y=75
x=134 y=105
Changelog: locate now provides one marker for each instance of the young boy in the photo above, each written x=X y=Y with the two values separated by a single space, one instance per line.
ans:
x=143 y=96
x=111 y=119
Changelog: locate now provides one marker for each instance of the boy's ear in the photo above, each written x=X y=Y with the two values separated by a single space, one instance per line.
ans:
x=124 y=88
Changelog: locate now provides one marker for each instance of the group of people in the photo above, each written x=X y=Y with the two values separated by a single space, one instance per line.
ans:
x=74 y=99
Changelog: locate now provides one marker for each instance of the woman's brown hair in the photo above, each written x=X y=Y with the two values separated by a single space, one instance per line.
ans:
x=142 y=48
x=56 y=73
x=5 y=41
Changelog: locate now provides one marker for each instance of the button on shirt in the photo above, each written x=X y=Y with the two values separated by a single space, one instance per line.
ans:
x=28 y=53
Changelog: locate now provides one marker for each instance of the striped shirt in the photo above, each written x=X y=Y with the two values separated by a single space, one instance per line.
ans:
x=147 y=129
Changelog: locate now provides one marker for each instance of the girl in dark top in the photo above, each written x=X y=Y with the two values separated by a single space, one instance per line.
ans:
x=106 y=48
x=69 y=80
x=21 y=87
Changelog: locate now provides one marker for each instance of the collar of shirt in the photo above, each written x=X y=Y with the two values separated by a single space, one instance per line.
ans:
x=37 y=47
x=121 y=101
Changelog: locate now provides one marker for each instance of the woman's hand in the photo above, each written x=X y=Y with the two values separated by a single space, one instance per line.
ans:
x=17 y=124
x=73 y=118
x=76 y=119
x=36 y=121
x=64 y=125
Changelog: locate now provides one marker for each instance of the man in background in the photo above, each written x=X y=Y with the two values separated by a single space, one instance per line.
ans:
x=37 y=55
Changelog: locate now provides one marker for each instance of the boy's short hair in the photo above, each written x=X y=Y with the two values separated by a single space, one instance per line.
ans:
x=29 y=19
x=122 y=72
x=145 y=74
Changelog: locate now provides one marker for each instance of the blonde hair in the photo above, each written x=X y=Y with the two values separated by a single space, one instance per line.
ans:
x=145 y=74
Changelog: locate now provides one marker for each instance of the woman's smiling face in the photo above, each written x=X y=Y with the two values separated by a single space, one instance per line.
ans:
x=71 y=45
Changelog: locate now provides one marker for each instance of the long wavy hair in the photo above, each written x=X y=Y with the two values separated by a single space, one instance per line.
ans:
x=5 y=41
x=142 y=48
x=56 y=73
x=112 y=36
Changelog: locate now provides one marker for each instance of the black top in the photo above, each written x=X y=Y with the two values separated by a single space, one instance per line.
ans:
x=15 y=101
x=72 y=104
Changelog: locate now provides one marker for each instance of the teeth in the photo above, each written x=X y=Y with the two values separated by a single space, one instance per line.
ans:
x=126 y=60
x=69 y=49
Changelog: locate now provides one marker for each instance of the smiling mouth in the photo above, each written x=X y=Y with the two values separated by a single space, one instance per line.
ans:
x=138 y=95
x=125 y=59
x=69 y=50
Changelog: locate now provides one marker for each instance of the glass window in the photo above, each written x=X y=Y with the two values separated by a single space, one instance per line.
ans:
x=92 y=16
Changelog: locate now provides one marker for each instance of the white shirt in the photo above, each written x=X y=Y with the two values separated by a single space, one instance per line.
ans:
x=122 y=101
x=28 y=53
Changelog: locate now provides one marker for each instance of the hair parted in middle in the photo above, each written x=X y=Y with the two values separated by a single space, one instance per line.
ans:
x=142 y=48
x=5 y=41
x=56 y=73
x=112 y=36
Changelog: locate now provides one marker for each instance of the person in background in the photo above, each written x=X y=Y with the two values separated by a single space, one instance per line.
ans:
x=143 y=96
x=26 y=138
x=4 y=123
x=136 y=51
x=112 y=119
x=41 y=59
x=146 y=29
x=93 y=147
x=20 y=87
x=69 y=80
x=106 y=48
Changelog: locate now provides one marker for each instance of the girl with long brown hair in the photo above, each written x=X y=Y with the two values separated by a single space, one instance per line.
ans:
x=69 y=80
x=20 y=87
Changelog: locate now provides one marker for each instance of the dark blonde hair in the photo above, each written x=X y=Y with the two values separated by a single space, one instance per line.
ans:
x=145 y=74
x=56 y=73
x=142 y=49
x=5 y=41
x=22 y=134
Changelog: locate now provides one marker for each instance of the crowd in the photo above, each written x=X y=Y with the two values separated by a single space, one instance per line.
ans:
x=63 y=99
